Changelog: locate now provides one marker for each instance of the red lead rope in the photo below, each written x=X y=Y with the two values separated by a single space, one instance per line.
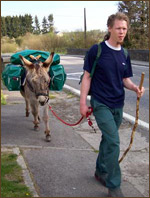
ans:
x=66 y=123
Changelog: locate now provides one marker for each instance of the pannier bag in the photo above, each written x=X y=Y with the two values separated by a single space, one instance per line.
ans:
x=15 y=59
x=58 y=77
x=12 y=75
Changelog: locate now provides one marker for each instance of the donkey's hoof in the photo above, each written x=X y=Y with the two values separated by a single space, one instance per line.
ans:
x=27 y=114
x=36 y=128
x=48 y=138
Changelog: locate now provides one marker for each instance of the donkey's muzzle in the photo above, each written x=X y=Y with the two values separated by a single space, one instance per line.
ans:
x=43 y=99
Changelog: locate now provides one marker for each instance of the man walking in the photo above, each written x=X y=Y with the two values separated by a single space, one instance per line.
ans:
x=112 y=74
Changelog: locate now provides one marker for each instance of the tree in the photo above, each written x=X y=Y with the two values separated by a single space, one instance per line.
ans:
x=51 y=23
x=3 y=27
x=15 y=26
x=44 y=26
x=28 y=23
x=37 y=26
x=138 y=13
x=8 y=22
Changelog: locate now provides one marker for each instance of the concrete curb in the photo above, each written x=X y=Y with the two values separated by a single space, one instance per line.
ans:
x=126 y=116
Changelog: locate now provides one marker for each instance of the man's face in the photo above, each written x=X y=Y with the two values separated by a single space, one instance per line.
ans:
x=118 y=31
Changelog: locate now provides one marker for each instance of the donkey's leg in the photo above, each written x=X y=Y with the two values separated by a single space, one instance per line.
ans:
x=46 y=121
x=35 y=113
x=27 y=108
x=26 y=101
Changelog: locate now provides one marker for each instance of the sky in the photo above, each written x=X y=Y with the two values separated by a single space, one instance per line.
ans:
x=68 y=15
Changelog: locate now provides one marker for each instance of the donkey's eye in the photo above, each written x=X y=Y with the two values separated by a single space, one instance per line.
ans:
x=46 y=82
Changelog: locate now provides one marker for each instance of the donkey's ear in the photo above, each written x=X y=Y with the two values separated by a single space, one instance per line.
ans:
x=48 y=61
x=26 y=63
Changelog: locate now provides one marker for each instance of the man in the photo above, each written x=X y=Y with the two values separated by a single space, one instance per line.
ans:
x=112 y=74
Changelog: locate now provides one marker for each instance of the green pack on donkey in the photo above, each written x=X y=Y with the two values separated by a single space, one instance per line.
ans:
x=14 y=73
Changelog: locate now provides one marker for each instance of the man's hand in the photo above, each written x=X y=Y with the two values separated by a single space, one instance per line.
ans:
x=83 y=109
x=130 y=85
x=140 y=92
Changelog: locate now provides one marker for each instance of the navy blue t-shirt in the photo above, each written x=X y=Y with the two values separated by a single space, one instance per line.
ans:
x=107 y=82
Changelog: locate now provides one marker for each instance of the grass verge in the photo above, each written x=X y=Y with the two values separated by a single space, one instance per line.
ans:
x=3 y=99
x=12 y=184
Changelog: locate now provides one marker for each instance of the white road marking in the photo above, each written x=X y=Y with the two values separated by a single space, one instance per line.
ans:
x=74 y=73
x=73 y=78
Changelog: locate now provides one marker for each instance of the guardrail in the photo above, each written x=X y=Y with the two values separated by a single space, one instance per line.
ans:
x=4 y=61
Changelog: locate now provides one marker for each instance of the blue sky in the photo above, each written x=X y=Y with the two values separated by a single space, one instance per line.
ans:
x=68 y=15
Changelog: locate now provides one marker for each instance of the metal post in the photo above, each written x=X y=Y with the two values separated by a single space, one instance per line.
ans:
x=84 y=27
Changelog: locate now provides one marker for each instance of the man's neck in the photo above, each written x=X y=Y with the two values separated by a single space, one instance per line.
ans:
x=114 y=43
x=112 y=47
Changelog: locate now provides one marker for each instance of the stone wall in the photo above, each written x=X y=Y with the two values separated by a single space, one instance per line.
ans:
x=140 y=55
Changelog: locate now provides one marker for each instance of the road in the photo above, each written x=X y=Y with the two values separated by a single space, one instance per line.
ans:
x=74 y=68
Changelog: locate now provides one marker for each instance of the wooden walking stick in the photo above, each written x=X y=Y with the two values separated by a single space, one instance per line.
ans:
x=136 y=120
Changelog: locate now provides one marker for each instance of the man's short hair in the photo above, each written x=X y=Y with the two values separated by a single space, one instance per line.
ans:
x=119 y=16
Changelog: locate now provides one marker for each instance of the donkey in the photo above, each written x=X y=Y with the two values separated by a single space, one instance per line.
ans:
x=36 y=89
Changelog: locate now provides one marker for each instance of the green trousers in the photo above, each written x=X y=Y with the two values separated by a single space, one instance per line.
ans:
x=108 y=121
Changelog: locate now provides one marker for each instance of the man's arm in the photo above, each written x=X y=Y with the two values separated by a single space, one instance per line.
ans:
x=131 y=86
x=85 y=87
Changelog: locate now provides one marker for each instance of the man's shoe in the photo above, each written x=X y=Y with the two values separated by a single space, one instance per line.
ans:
x=100 y=179
x=116 y=192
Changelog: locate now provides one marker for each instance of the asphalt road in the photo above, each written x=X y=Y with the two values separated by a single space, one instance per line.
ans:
x=74 y=68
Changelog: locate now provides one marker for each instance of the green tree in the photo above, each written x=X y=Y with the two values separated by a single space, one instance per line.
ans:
x=37 y=29
x=15 y=27
x=8 y=22
x=28 y=23
x=51 y=23
x=3 y=27
x=44 y=26
x=138 y=13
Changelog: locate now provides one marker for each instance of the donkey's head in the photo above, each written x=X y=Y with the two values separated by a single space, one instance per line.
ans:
x=37 y=78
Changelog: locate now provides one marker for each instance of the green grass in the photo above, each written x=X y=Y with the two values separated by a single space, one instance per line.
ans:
x=70 y=95
x=52 y=96
x=3 y=99
x=12 y=184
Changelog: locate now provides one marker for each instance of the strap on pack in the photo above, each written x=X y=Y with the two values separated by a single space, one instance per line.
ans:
x=125 y=52
x=96 y=60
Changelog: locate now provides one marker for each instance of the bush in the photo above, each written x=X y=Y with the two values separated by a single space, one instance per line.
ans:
x=8 y=45
x=30 y=41
x=52 y=42
x=9 y=48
